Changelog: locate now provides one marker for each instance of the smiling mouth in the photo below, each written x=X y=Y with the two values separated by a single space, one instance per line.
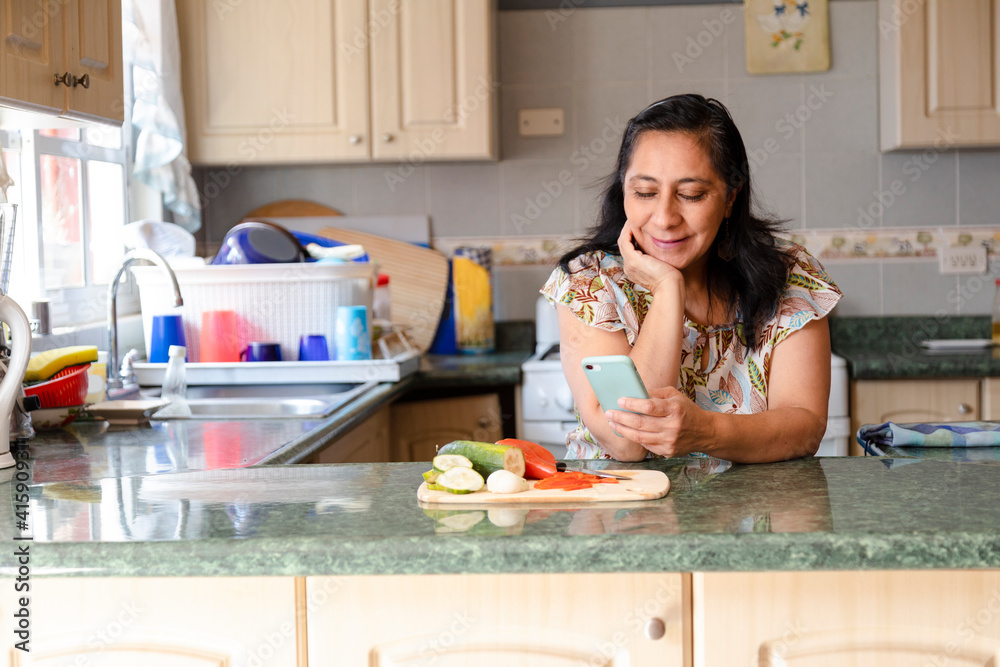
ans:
x=668 y=244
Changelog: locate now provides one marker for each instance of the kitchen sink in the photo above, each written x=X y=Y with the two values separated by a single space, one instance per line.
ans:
x=267 y=401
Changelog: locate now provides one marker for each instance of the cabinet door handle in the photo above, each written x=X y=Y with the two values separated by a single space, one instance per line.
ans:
x=65 y=79
x=655 y=628
x=354 y=139
x=387 y=137
x=964 y=408
x=81 y=81
x=483 y=422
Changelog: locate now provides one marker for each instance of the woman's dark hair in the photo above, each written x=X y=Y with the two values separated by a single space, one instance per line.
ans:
x=753 y=280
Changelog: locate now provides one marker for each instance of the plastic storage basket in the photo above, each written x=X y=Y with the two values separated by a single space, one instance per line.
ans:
x=273 y=302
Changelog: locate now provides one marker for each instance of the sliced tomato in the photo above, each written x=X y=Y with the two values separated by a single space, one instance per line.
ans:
x=539 y=462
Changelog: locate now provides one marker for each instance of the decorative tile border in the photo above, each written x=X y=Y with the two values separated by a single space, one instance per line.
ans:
x=835 y=245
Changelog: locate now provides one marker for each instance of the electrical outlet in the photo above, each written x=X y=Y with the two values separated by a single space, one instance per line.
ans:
x=541 y=122
x=963 y=259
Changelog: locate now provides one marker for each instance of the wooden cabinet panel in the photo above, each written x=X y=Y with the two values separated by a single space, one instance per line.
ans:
x=94 y=50
x=420 y=427
x=31 y=54
x=432 y=92
x=161 y=622
x=834 y=619
x=878 y=401
x=990 y=393
x=532 y=620
x=269 y=82
x=369 y=442
x=938 y=73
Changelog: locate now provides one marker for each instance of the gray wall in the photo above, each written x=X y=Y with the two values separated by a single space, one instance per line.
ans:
x=602 y=66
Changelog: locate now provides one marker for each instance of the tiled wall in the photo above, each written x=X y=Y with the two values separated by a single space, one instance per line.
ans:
x=813 y=139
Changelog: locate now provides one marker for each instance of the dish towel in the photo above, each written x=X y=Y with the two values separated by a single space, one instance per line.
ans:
x=952 y=434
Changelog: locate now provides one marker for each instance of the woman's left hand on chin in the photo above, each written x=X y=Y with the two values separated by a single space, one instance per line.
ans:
x=668 y=423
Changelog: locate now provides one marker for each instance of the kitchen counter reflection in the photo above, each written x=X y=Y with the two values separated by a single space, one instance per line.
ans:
x=806 y=514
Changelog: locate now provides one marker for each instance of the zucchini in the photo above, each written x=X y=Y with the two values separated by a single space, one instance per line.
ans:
x=460 y=480
x=444 y=462
x=487 y=457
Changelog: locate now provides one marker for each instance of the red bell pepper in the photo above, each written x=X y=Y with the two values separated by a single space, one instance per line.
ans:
x=539 y=463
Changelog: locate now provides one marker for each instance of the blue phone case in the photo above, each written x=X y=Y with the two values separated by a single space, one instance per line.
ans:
x=613 y=377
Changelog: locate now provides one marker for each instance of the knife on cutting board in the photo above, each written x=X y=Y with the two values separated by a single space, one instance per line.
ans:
x=562 y=467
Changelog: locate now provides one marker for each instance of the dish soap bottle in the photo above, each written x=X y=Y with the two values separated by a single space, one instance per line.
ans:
x=175 y=382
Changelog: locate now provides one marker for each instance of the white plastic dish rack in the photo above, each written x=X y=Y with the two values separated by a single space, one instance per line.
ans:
x=273 y=302
x=287 y=372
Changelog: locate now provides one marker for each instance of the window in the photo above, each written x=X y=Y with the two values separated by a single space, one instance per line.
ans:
x=70 y=184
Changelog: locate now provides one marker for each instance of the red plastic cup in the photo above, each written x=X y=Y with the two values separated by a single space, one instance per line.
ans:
x=218 y=337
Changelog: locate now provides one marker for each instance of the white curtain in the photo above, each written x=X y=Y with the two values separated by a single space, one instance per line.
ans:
x=152 y=48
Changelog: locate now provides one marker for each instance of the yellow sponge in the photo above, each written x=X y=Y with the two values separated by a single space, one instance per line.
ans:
x=43 y=366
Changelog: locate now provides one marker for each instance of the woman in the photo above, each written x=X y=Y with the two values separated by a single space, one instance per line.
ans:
x=724 y=321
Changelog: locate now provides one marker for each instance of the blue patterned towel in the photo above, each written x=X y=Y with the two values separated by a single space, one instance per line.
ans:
x=952 y=434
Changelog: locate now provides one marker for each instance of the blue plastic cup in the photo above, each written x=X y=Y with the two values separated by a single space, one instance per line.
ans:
x=313 y=348
x=257 y=351
x=167 y=330
x=352 y=341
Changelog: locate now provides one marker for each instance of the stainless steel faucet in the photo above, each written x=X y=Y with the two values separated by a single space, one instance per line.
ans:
x=116 y=387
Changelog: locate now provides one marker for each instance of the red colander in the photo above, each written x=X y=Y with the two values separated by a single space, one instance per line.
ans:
x=67 y=387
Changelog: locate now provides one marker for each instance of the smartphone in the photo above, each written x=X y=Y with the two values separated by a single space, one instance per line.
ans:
x=613 y=377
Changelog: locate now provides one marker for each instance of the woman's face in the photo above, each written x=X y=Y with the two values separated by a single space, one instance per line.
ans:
x=674 y=199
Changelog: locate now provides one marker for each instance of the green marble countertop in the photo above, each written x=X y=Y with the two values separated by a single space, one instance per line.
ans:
x=805 y=514
x=890 y=347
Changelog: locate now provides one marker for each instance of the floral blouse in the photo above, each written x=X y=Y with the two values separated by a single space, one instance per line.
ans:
x=717 y=371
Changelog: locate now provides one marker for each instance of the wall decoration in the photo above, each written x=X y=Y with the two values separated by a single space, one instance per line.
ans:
x=787 y=36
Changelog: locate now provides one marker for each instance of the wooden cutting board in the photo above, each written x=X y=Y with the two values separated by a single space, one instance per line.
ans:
x=643 y=485
x=418 y=281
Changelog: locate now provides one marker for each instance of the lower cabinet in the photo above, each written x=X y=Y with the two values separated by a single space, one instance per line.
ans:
x=862 y=619
x=901 y=401
x=157 y=622
x=419 y=427
x=534 y=620
x=366 y=443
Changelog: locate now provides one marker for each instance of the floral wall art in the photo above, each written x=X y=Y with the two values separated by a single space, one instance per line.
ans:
x=787 y=36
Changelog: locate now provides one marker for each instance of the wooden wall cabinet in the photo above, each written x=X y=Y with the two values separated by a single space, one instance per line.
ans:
x=419 y=427
x=901 y=401
x=269 y=82
x=42 y=39
x=476 y=620
x=831 y=619
x=939 y=70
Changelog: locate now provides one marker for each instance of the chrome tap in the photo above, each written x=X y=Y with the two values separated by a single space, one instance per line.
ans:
x=116 y=388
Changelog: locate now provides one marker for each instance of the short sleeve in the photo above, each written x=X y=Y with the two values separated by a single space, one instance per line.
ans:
x=589 y=290
x=810 y=294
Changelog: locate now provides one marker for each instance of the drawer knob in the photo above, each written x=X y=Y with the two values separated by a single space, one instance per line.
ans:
x=387 y=137
x=483 y=422
x=81 y=81
x=655 y=628
x=964 y=408
x=355 y=139
x=65 y=79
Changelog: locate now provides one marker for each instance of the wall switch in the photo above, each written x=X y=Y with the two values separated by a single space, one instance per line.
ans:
x=963 y=259
x=541 y=122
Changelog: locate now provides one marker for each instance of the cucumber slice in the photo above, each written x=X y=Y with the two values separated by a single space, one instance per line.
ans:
x=487 y=457
x=433 y=486
x=432 y=475
x=460 y=480
x=444 y=462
